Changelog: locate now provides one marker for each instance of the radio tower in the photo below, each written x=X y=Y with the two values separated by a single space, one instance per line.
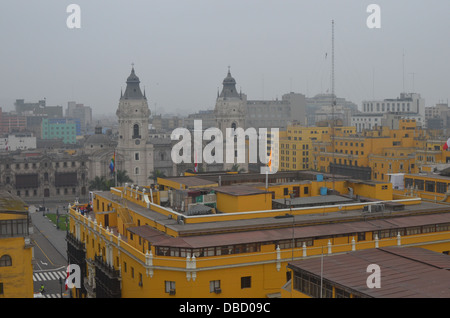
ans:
x=333 y=98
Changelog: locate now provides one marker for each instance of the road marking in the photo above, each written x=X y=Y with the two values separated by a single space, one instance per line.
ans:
x=43 y=252
x=63 y=275
x=44 y=276
x=52 y=295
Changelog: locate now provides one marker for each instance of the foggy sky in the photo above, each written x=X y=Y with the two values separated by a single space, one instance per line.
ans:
x=181 y=50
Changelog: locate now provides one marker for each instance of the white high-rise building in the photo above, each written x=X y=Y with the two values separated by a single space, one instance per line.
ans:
x=407 y=106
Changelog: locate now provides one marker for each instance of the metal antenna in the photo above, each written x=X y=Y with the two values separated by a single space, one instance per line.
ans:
x=333 y=99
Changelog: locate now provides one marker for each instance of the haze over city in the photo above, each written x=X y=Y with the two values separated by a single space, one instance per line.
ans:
x=182 y=50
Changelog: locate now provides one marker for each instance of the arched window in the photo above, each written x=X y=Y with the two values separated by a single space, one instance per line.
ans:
x=5 y=260
x=136 y=170
x=233 y=130
x=136 y=131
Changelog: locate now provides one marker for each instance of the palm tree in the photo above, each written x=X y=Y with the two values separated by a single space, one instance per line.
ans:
x=99 y=183
x=157 y=174
x=122 y=177
x=235 y=168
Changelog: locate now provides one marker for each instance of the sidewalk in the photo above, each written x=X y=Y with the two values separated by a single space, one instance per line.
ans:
x=56 y=237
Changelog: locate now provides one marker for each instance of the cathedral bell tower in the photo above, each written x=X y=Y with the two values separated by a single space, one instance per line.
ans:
x=230 y=112
x=133 y=116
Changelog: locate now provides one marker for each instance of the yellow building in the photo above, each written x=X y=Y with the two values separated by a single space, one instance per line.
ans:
x=372 y=154
x=296 y=144
x=225 y=243
x=16 y=271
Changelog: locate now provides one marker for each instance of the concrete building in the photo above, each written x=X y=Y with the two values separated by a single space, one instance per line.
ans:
x=318 y=108
x=230 y=114
x=138 y=154
x=82 y=113
x=60 y=128
x=17 y=141
x=233 y=235
x=11 y=122
x=37 y=176
x=16 y=249
x=276 y=113
x=407 y=106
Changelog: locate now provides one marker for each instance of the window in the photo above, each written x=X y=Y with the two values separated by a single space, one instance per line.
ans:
x=429 y=186
x=136 y=131
x=170 y=287
x=340 y=293
x=441 y=187
x=361 y=236
x=419 y=184
x=136 y=156
x=246 y=282
x=5 y=260
x=408 y=183
x=214 y=286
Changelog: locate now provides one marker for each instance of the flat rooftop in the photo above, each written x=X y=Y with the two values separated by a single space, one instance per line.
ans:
x=314 y=201
x=306 y=225
x=237 y=190
x=271 y=222
x=158 y=238
x=191 y=181
x=406 y=272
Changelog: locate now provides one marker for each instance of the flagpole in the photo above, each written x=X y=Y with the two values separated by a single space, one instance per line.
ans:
x=115 y=170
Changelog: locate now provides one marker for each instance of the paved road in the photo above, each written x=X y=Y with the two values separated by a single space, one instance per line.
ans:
x=50 y=256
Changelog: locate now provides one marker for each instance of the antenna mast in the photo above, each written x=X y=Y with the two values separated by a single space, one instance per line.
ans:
x=333 y=99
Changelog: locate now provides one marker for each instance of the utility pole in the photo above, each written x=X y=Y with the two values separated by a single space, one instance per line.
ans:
x=333 y=98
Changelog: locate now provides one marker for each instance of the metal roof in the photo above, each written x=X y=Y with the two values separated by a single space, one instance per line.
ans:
x=324 y=230
x=406 y=272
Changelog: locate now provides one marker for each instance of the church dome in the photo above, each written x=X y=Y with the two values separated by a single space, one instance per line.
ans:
x=229 y=87
x=98 y=140
x=229 y=80
x=133 y=91
x=133 y=77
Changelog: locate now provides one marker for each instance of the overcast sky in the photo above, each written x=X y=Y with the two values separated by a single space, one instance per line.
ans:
x=181 y=50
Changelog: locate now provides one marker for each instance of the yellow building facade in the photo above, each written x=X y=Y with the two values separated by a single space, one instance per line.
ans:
x=296 y=144
x=16 y=271
x=132 y=245
x=372 y=154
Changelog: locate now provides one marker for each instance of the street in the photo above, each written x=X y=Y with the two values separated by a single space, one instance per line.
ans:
x=49 y=261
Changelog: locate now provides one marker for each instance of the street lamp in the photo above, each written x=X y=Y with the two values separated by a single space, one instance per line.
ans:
x=60 y=285
x=57 y=218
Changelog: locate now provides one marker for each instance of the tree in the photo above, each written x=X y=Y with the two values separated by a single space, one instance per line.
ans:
x=235 y=168
x=99 y=183
x=122 y=177
x=157 y=174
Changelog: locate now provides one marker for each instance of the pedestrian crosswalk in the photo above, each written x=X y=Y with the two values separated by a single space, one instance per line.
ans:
x=52 y=295
x=48 y=275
